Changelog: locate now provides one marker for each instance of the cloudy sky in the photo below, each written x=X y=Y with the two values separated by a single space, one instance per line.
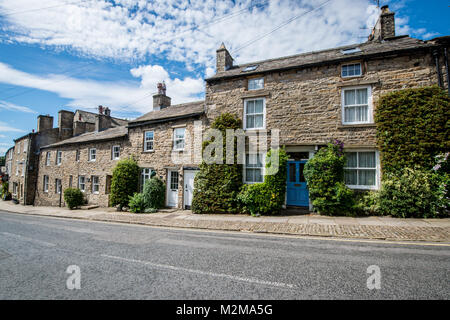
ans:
x=69 y=54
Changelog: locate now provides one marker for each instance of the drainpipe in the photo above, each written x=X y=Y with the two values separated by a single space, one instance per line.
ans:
x=446 y=70
x=438 y=71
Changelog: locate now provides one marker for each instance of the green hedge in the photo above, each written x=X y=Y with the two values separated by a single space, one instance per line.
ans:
x=124 y=183
x=154 y=193
x=216 y=186
x=73 y=197
x=324 y=174
x=267 y=197
x=412 y=127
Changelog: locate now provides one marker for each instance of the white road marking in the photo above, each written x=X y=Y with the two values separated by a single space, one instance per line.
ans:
x=17 y=236
x=206 y=273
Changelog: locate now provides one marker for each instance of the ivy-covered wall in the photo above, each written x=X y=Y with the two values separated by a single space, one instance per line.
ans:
x=412 y=127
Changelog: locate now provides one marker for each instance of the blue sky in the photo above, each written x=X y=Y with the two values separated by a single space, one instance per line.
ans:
x=69 y=54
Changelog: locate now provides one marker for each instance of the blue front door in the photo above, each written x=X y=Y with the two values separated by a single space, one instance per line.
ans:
x=297 y=191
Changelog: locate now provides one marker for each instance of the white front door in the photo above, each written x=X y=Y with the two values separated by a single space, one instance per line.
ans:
x=188 y=187
x=172 y=188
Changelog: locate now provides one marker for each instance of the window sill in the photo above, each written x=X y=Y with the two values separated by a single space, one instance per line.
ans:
x=178 y=150
x=148 y=151
x=363 y=188
x=356 y=125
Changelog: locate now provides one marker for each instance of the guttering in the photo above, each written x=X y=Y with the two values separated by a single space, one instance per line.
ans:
x=146 y=122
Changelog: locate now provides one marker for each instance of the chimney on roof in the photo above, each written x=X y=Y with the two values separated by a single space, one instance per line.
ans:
x=107 y=112
x=100 y=109
x=44 y=123
x=224 y=60
x=385 y=26
x=160 y=100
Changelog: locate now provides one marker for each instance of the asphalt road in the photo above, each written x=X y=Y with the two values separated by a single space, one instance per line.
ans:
x=119 y=261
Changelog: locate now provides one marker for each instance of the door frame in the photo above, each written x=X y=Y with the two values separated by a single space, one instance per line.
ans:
x=297 y=162
x=195 y=171
x=169 y=175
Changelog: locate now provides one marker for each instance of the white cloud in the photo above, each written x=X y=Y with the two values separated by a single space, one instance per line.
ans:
x=123 y=97
x=190 y=33
x=13 y=107
x=6 y=127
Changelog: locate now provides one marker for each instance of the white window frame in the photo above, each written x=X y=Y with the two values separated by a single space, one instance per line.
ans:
x=58 y=186
x=369 y=105
x=146 y=174
x=253 y=87
x=77 y=155
x=263 y=168
x=152 y=140
x=82 y=184
x=48 y=158
x=179 y=139
x=377 y=170
x=351 y=64
x=113 y=152
x=17 y=168
x=92 y=159
x=24 y=167
x=58 y=157
x=46 y=184
x=263 y=113
x=93 y=178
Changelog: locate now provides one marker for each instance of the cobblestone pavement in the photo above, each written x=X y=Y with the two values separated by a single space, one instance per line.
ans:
x=385 y=228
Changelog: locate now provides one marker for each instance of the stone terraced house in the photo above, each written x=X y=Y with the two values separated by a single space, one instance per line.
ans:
x=311 y=98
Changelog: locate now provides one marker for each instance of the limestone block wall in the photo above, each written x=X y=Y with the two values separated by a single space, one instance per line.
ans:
x=161 y=159
x=70 y=169
x=305 y=104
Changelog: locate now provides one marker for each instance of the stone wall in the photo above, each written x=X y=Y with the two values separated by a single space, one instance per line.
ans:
x=69 y=167
x=305 y=104
x=162 y=158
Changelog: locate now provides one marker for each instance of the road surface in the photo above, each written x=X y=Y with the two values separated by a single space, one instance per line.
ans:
x=120 y=261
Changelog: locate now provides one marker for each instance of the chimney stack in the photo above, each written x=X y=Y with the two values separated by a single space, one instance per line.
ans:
x=65 y=124
x=160 y=100
x=107 y=112
x=44 y=123
x=224 y=61
x=100 y=109
x=385 y=26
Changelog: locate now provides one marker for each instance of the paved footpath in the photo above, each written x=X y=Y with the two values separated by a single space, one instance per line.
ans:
x=383 y=228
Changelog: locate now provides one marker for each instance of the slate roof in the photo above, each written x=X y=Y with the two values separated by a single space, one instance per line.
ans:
x=91 y=117
x=108 y=134
x=369 y=48
x=170 y=113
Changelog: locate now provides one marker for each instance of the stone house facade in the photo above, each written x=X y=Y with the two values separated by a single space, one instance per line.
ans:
x=316 y=97
x=308 y=99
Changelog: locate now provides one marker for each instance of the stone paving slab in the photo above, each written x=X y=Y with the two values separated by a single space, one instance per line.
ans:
x=385 y=228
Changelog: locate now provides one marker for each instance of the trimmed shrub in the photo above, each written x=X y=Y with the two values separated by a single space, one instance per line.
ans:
x=136 y=203
x=216 y=186
x=367 y=203
x=414 y=193
x=267 y=197
x=324 y=174
x=73 y=197
x=154 y=193
x=412 y=127
x=124 y=183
